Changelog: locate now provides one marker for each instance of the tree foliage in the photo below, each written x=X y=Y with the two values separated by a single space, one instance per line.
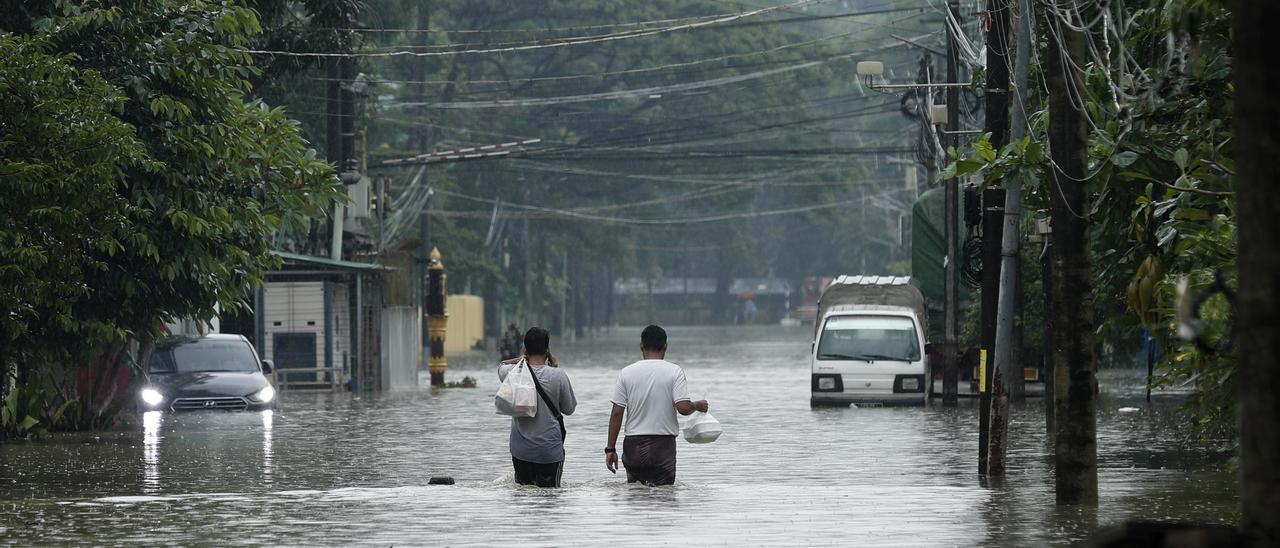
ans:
x=148 y=185
x=1157 y=94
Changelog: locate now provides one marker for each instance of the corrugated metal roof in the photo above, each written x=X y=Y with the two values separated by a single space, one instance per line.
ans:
x=331 y=263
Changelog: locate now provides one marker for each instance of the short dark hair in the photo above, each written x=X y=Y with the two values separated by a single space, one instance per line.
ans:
x=653 y=338
x=536 y=341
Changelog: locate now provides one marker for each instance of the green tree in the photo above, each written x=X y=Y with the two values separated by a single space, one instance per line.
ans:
x=193 y=224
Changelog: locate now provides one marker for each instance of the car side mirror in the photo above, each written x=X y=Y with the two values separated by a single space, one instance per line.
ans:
x=930 y=348
x=267 y=367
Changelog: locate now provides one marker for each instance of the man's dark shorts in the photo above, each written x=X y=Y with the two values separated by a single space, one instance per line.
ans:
x=535 y=473
x=650 y=460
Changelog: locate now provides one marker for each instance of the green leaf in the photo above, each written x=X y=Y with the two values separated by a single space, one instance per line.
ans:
x=27 y=423
x=1124 y=159
x=1192 y=214
x=984 y=150
x=62 y=409
x=1180 y=158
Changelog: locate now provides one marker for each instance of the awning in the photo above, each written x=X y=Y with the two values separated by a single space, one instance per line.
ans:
x=329 y=264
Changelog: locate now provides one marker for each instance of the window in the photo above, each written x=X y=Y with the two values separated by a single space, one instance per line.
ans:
x=869 y=338
x=204 y=355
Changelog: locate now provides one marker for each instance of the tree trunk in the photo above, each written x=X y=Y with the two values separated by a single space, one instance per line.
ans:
x=1076 y=445
x=1257 y=144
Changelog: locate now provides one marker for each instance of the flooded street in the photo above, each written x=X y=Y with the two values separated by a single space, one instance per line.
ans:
x=336 y=469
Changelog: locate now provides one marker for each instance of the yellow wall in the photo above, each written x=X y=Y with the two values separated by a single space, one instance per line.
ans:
x=466 y=323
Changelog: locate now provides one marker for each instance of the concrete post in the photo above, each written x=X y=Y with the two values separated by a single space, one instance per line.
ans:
x=437 y=317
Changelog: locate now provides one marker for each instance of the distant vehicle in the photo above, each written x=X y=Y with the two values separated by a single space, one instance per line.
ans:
x=209 y=373
x=869 y=343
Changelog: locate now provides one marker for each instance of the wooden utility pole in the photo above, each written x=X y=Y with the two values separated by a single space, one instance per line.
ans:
x=951 y=292
x=1000 y=226
x=1257 y=144
x=1075 y=455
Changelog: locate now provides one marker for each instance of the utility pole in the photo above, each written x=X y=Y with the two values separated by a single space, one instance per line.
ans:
x=1257 y=126
x=1054 y=398
x=526 y=263
x=1076 y=452
x=997 y=232
x=951 y=311
x=420 y=137
x=1010 y=267
x=993 y=403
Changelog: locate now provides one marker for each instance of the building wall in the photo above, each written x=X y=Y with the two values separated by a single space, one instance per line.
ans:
x=466 y=323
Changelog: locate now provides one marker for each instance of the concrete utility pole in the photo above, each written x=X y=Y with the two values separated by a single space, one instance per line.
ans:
x=1076 y=453
x=1009 y=384
x=1257 y=129
x=993 y=401
x=997 y=268
x=1013 y=207
x=951 y=294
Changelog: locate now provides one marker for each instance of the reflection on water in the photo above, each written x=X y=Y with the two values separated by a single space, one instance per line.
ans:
x=151 y=421
x=332 y=469
x=268 y=454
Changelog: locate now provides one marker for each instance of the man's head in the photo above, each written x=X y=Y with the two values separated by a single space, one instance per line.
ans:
x=536 y=341
x=653 y=341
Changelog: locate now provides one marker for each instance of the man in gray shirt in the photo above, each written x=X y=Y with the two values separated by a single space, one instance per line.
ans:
x=537 y=442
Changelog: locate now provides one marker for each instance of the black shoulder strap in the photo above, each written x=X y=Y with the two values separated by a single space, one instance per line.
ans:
x=555 y=411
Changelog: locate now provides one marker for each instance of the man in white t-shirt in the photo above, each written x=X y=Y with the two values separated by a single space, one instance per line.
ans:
x=649 y=393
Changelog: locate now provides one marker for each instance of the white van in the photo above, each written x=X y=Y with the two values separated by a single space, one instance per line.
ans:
x=869 y=343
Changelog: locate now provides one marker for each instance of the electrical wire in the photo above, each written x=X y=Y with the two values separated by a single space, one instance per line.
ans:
x=569 y=214
x=538 y=46
x=610 y=95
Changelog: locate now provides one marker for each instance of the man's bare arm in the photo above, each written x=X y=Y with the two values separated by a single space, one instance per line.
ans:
x=615 y=426
x=686 y=407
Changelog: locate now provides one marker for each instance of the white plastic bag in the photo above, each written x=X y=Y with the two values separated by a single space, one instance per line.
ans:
x=701 y=428
x=517 y=396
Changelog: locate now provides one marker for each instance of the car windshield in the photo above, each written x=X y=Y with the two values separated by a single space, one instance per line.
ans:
x=869 y=338
x=204 y=355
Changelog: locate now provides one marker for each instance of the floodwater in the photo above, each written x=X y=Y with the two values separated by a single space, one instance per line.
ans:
x=337 y=469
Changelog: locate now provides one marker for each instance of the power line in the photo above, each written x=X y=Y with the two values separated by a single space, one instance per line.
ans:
x=642 y=70
x=512 y=49
x=619 y=94
x=631 y=221
x=554 y=40
x=803 y=18
x=528 y=30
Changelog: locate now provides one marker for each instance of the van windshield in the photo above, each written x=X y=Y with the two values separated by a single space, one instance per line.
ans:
x=204 y=355
x=869 y=338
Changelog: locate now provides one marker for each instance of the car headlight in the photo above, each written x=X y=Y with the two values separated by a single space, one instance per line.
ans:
x=265 y=395
x=151 y=396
